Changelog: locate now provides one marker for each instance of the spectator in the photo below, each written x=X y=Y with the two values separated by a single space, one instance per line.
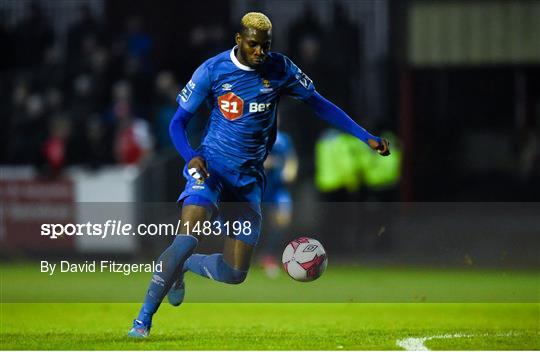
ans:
x=164 y=107
x=7 y=43
x=29 y=127
x=133 y=141
x=54 y=148
x=82 y=62
x=101 y=77
x=54 y=101
x=307 y=25
x=98 y=149
x=305 y=37
x=80 y=109
x=138 y=43
x=85 y=27
x=343 y=34
x=51 y=70
x=33 y=35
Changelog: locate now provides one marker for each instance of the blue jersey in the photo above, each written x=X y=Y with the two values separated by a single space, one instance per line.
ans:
x=242 y=124
x=282 y=150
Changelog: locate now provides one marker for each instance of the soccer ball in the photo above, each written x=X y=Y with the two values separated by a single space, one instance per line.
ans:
x=304 y=259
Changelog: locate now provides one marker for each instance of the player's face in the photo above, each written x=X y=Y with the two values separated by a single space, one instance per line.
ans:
x=253 y=46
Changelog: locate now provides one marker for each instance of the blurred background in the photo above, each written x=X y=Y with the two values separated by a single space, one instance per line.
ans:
x=88 y=89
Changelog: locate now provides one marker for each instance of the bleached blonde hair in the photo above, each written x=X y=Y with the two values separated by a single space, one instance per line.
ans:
x=256 y=20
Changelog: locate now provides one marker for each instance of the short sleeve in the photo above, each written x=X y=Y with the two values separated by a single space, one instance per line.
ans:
x=297 y=85
x=196 y=90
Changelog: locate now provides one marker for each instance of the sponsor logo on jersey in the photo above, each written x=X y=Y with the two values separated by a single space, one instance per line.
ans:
x=231 y=105
x=185 y=94
x=304 y=80
x=259 y=107
x=226 y=86
x=266 y=86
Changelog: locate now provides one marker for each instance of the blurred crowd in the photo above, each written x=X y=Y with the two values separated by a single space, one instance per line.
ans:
x=100 y=97
x=98 y=101
x=317 y=50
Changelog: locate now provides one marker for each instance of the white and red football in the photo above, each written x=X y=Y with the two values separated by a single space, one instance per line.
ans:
x=304 y=259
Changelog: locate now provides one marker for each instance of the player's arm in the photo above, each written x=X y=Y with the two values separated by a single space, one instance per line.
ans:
x=332 y=114
x=177 y=131
x=189 y=100
x=301 y=87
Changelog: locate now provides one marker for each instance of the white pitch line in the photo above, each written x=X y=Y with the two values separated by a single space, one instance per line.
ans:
x=418 y=343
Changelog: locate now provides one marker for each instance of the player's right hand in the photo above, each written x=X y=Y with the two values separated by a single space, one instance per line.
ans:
x=198 y=168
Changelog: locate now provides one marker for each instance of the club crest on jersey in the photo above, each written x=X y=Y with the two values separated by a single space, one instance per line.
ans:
x=226 y=86
x=231 y=106
x=266 y=86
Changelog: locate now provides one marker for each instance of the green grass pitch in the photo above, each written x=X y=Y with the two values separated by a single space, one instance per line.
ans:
x=272 y=326
x=297 y=326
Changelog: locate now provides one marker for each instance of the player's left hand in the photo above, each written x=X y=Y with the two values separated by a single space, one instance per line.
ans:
x=383 y=148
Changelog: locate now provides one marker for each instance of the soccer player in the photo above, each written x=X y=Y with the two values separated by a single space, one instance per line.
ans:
x=281 y=167
x=242 y=86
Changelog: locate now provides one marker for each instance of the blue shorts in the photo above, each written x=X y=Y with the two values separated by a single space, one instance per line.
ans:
x=231 y=196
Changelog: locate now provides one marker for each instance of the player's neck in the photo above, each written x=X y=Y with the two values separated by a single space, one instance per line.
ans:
x=240 y=58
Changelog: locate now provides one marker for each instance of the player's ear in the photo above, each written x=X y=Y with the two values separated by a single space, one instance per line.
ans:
x=238 y=38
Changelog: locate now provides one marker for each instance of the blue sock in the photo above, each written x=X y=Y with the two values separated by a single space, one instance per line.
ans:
x=172 y=260
x=214 y=267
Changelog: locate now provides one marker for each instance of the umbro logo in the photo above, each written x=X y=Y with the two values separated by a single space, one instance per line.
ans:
x=226 y=86
x=158 y=280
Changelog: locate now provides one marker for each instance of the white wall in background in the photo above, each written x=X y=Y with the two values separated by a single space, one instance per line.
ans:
x=107 y=194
